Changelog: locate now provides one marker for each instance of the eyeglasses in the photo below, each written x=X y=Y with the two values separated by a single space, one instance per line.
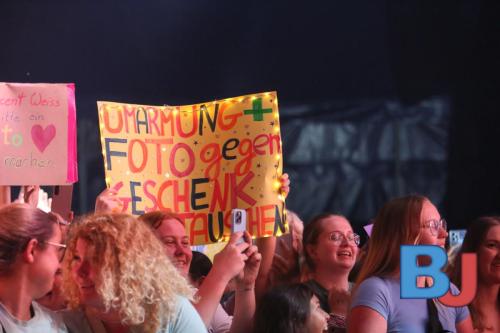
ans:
x=434 y=225
x=337 y=237
x=60 y=251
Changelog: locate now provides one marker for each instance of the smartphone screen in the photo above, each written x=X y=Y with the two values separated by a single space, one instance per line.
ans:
x=238 y=221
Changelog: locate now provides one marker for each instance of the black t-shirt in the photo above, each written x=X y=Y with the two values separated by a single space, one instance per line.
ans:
x=321 y=293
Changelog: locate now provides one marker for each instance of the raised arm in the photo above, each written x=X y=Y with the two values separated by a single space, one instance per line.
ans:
x=244 y=308
x=267 y=248
x=363 y=319
x=107 y=201
x=227 y=264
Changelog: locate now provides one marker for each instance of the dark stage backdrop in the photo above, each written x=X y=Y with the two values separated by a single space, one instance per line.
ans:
x=377 y=98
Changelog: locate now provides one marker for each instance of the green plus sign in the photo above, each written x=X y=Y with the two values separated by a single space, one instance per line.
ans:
x=257 y=112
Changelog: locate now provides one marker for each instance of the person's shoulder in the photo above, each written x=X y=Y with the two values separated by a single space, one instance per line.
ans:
x=54 y=317
x=374 y=293
x=46 y=312
x=39 y=308
x=183 y=303
x=186 y=318
x=379 y=282
x=381 y=288
x=76 y=320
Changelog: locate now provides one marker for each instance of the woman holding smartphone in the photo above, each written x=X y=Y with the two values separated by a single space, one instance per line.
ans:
x=240 y=260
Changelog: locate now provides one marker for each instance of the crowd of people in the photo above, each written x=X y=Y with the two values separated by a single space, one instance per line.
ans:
x=113 y=272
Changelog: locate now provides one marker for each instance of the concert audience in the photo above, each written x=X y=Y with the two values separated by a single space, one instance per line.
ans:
x=117 y=277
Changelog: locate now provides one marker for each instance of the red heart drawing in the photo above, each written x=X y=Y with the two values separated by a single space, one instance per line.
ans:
x=42 y=137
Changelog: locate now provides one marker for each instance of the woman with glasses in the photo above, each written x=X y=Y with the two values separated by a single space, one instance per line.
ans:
x=30 y=251
x=330 y=250
x=483 y=238
x=376 y=304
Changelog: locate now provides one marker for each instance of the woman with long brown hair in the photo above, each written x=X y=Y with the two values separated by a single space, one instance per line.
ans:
x=30 y=251
x=330 y=250
x=377 y=305
x=483 y=238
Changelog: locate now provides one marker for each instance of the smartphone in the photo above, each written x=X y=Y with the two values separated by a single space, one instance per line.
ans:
x=61 y=200
x=238 y=222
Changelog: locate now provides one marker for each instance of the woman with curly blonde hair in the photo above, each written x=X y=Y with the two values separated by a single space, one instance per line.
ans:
x=118 y=279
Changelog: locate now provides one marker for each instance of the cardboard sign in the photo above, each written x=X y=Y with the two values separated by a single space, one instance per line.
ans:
x=37 y=134
x=199 y=161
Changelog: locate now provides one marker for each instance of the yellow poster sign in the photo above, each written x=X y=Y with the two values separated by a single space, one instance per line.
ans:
x=199 y=161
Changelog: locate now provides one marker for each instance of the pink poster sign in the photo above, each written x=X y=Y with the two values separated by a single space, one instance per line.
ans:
x=37 y=134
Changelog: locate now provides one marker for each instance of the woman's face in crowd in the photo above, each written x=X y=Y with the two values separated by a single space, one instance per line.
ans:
x=85 y=274
x=176 y=243
x=427 y=236
x=316 y=322
x=47 y=264
x=489 y=257
x=330 y=253
x=296 y=231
